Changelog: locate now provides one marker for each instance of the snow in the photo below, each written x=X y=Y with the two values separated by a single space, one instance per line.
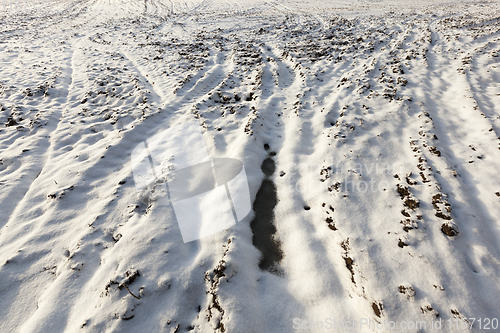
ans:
x=368 y=134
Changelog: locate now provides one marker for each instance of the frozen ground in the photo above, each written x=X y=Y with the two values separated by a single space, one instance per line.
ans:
x=369 y=132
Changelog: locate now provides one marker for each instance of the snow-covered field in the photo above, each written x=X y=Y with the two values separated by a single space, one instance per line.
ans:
x=369 y=132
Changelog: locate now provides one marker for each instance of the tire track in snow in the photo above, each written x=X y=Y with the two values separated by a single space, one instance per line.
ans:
x=26 y=220
x=456 y=126
x=48 y=134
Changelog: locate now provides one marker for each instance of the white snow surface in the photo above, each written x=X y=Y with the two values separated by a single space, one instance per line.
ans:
x=382 y=119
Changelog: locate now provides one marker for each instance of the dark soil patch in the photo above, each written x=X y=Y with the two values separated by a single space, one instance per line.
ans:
x=262 y=225
x=435 y=151
x=377 y=308
x=11 y=122
x=402 y=244
x=408 y=291
x=403 y=191
x=268 y=166
x=411 y=203
x=331 y=224
x=436 y=199
x=348 y=264
x=443 y=216
x=449 y=230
